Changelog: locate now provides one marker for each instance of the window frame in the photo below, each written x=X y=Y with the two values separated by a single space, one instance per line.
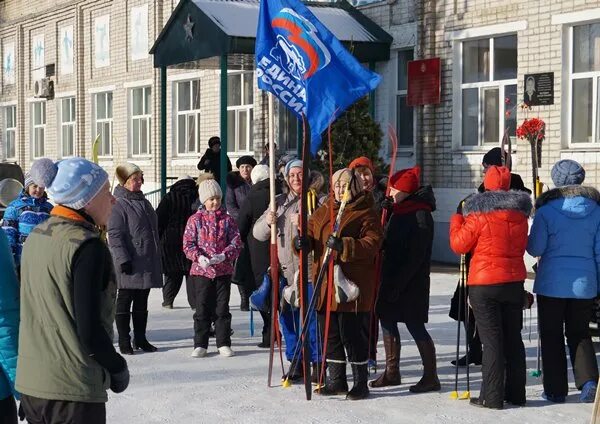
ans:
x=571 y=77
x=144 y=117
x=403 y=93
x=233 y=142
x=62 y=124
x=102 y=121
x=196 y=113
x=458 y=86
x=34 y=127
x=13 y=129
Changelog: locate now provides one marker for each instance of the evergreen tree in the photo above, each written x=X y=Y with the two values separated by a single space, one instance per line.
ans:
x=353 y=134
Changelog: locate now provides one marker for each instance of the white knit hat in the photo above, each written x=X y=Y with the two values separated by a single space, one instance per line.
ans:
x=209 y=188
x=259 y=173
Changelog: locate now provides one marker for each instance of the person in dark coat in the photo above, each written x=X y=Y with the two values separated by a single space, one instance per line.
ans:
x=493 y=227
x=238 y=187
x=404 y=292
x=173 y=212
x=494 y=158
x=211 y=160
x=253 y=208
x=133 y=241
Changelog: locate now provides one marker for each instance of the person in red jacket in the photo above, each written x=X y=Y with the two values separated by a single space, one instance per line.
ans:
x=492 y=226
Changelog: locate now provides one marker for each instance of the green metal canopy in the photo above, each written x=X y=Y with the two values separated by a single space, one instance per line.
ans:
x=204 y=29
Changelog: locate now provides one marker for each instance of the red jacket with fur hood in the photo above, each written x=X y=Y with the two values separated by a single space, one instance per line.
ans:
x=493 y=227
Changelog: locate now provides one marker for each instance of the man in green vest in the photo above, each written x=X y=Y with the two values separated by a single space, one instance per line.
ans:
x=66 y=357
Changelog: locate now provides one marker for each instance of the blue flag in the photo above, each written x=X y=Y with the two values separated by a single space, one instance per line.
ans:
x=306 y=67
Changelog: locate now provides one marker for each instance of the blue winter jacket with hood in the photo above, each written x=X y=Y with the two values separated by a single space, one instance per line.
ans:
x=21 y=216
x=566 y=237
x=9 y=319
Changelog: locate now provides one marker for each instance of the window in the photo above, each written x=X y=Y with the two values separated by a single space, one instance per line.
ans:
x=288 y=130
x=140 y=121
x=488 y=90
x=405 y=119
x=187 y=99
x=103 y=122
x=10 y=132
x=38 y=114
x=240 y=106
x=584 y=76
x=67 y=126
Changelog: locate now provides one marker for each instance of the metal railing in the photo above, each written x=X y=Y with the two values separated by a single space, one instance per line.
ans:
x=154 y=197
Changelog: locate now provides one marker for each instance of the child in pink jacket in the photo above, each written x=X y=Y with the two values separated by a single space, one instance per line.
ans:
x=212 y=242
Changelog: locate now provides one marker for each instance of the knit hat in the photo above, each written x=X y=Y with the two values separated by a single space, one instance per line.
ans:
x=209 y=188
x=345 y=176
x=567 y=172
x=126 y=170
x=294 y=163
x=72 y=182
x=364 y=162
x=497 y=178
x=28 y=181
x=407 y=180
x=259 y=173
x=213 y=140
x=493 y=157
x=245 y=160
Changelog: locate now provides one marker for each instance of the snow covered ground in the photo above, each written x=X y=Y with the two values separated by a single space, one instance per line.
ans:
x=171 y=387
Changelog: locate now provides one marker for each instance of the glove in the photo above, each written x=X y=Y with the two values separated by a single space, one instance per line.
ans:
x=217 y=259
x=335 y=243
x=203 y=261
x=127 y=268
x=387 y=203
x=300 y=243
x=120 y=380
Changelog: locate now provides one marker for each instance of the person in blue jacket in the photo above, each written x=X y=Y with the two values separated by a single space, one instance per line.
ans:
x=23 y=214
x=9 y=332
x=565 y=236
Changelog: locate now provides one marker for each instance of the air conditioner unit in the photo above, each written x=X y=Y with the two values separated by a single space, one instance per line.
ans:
x=43 y=88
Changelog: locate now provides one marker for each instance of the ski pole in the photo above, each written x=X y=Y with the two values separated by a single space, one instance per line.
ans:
x=251 y=323
x=467 y=393
x=454 y=394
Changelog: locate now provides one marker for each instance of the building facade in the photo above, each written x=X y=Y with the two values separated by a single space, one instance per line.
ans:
x=487 y=47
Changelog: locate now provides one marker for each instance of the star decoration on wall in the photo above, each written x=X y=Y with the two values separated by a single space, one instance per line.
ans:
x=189 y=29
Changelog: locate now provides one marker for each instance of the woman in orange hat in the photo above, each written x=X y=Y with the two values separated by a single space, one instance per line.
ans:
x=493 y=227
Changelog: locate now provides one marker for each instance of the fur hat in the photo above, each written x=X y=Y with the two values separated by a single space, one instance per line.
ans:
x=126 y=170
x=316 y=181
x=72 y=182
x=209 y=188
x=213 y=141
x=259 y=173
x=294 y=163
x=407 y=180
x=245 y=160
x=497 y=178
x=493 y=157
x=362 y=161
x=203 y=176
x=567 y=172
x=347 y=175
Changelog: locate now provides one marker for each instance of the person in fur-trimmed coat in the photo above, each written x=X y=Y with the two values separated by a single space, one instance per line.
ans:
x=493 y=227
x=566 y=237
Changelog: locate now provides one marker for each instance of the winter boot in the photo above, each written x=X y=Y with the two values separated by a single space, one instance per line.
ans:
x=430 y=381
x=266 y=341
x=360 y=390
x=391 y=375
x=122 y=322
x=140 y=320
x=336 y=382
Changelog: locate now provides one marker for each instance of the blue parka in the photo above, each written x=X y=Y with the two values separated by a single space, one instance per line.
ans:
x=9 y=319
x=566 y=237
x=20 y=217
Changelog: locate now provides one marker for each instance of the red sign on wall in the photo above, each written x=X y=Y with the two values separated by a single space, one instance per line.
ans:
x=424 y=82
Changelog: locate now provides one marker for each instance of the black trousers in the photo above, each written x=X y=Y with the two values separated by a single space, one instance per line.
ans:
x=559 y=318
x=172 y=286
x=8 y=410
x=136 y=297
x=498 y=311
x=44 y=411
x=212 y=300
x=348 y=336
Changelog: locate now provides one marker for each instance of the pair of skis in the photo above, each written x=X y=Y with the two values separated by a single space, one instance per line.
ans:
x=463 y=307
